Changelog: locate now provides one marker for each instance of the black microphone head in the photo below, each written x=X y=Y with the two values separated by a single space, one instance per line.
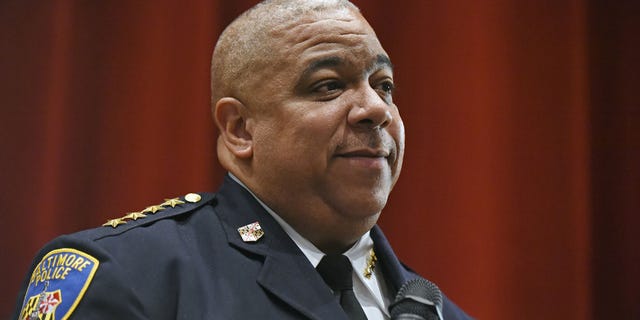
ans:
x=417 y=299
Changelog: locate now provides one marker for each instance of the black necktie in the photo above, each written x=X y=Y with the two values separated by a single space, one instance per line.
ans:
x=336 y=271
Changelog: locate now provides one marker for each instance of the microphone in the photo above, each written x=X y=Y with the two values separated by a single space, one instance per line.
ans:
x=417 y=299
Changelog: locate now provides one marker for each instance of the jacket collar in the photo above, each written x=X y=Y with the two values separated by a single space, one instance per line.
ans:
x=283 y=260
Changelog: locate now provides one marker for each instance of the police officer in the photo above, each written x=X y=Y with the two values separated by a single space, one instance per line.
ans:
x=302 y=95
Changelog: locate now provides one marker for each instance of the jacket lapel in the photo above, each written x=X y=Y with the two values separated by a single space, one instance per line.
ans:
x=308 y=293
x=286 y=271
x=395 y=273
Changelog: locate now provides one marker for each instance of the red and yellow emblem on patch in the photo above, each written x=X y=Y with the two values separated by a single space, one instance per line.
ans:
x=57 y=284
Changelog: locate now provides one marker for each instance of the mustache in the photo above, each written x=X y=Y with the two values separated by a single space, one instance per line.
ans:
x=377 y=140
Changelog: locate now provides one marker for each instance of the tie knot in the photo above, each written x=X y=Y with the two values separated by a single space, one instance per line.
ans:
x=336 y=271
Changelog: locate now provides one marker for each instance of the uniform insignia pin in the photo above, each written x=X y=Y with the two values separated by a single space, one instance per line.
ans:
x=251 y=232
x=134 y=216
x=172 y=202
x=152 y=209
x=371 y=264
x=114 y=223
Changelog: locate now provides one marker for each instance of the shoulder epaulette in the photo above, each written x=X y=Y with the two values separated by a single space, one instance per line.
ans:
x=168 y=208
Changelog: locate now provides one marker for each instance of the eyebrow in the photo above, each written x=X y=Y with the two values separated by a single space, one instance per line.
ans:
x=381 y=60
x=328 y=62
x=321 y=64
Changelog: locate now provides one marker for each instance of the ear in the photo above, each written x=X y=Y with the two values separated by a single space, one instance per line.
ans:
x=230 y=115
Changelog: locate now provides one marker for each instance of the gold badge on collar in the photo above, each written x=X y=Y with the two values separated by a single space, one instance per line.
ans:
x=251 y=232
x=371 y=264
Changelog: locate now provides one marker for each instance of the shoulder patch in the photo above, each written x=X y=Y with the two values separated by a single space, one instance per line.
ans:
x=57 y=284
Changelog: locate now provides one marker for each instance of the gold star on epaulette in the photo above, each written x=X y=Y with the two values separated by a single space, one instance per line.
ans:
x=134 y=215
x=152 y=209
x=114 y=222
x=172 y=202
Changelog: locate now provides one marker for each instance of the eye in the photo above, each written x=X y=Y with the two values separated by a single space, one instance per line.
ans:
x=385 y=88
x=328 y=88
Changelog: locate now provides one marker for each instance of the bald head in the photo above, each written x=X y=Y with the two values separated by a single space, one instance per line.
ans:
x=246 y=46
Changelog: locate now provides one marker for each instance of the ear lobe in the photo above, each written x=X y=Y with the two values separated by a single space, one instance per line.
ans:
x=229 y=115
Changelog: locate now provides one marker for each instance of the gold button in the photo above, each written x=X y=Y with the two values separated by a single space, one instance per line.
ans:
x=193 y=197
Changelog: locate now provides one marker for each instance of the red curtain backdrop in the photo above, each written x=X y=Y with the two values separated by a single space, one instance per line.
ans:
x=520 y=192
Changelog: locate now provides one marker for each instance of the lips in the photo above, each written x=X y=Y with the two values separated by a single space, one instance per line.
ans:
x=369 y=158
x=365 y=153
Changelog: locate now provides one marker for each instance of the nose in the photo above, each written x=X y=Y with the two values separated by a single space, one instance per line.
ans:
x=369 y=110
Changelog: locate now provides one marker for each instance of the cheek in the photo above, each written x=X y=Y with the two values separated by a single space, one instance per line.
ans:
x=399 y=137
x=270 y=143
x=397 y=132
x=318 y=128
x=300 y=144
x=301 y=134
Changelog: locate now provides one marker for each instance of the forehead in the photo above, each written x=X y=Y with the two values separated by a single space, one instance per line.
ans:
x=339 y=32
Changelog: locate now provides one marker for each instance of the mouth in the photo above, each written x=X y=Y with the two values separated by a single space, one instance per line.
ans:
x=365 y=153
x=373 y=151
x=367 y=158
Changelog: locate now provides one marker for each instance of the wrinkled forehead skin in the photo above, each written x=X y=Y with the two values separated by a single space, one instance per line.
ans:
x=323 y=30
x=326 y=33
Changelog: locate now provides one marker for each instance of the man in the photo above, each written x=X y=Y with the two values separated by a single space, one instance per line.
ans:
x=302 y=97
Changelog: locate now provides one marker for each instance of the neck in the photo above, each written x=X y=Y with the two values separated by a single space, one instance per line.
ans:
x=330 y=231
x=331 y=236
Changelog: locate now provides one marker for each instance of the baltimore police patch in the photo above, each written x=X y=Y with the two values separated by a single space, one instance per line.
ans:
x=57 y=284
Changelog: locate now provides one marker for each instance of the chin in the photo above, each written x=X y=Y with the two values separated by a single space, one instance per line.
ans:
x=357 y=199
x=363 y=207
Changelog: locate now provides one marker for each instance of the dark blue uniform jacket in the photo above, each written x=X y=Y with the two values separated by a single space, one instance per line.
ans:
x=189 y=262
